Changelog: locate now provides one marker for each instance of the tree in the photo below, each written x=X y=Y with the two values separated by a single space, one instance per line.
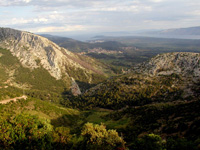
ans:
x=149 y=142
x=97 y=137
x=24 y=132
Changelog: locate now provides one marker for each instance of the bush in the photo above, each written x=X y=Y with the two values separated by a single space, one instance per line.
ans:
x=149 y=142
x=24 y=132
x=96 y=137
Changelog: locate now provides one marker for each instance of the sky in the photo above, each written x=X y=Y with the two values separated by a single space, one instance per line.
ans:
x=89 y=16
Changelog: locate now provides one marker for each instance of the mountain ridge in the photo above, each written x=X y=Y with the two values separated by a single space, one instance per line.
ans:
x=183 y=31
x=164 y=78
x=17 y=40
x=177 y=33
x=35 y=52
x=184 y=63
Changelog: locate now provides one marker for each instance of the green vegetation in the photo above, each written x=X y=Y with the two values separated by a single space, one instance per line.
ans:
x=3 y=75
x=157 y=126
x=55 y=128
x=38 y=83
x=38 y=78
x=96 y=137
x=9 y=92
x=131 y=111
x=22 y=131
x=131 y=90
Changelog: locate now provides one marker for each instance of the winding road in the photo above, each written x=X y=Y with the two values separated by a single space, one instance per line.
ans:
x=13 y=99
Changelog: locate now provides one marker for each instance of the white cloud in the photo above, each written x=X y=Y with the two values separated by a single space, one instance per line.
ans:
x=58 y=29
x=129 y=8
x=40 y=20
x=27 y=1
x=97 y=15
x=19 y=21
x=14 y=2
x=157 y=1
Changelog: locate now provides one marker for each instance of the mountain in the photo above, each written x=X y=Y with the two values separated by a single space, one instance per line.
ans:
x=157 y=99
x=36 y=53
x=78 y=46
x=183 y=63
x=178 y=33
x=181 y=31
x=155 y=105
x=68 y=43
x=164 y=78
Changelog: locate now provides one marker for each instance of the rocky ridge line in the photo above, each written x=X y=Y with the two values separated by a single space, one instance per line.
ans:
x=34 y=51
x=184 y=63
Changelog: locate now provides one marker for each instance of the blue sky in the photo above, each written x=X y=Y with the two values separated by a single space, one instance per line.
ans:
x=87 y=16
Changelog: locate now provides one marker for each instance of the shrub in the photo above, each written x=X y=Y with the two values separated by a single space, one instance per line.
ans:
x=96 y=137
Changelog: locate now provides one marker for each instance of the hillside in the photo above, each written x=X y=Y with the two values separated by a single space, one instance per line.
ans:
x=37 y=57
x=183 y=63
x=109 y=51
x=155 y=104
x=164 y=78
x=78 y=46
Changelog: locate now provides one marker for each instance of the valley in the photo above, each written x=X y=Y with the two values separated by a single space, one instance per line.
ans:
x=123 y=52
x=121 y=93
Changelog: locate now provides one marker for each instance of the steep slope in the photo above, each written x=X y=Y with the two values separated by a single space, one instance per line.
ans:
x=184 y=63
x=35 y=52
x=165 y=78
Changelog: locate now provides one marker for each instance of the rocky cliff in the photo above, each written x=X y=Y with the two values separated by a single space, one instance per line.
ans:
x=34 y=51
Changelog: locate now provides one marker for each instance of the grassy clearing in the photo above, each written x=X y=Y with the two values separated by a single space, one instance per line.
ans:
x=98 y=116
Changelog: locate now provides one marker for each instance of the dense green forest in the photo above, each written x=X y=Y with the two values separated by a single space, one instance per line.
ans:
x=131 y=90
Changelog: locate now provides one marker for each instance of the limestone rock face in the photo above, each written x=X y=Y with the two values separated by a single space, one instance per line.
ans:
x=185 y=63
x=34 y=51
x=75 y=88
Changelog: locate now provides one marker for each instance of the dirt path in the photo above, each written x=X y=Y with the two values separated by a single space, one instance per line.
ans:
x=13 y=99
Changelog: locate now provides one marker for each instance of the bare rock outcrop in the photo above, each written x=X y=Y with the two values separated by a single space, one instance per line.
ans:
x=34 y=51
x=184 y=63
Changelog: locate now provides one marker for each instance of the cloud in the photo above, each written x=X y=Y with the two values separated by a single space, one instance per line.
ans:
x=27 y=1
x=157 y=1
x=98 y=15
x=58 y=29
x=195 y=13
x=14 y=2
